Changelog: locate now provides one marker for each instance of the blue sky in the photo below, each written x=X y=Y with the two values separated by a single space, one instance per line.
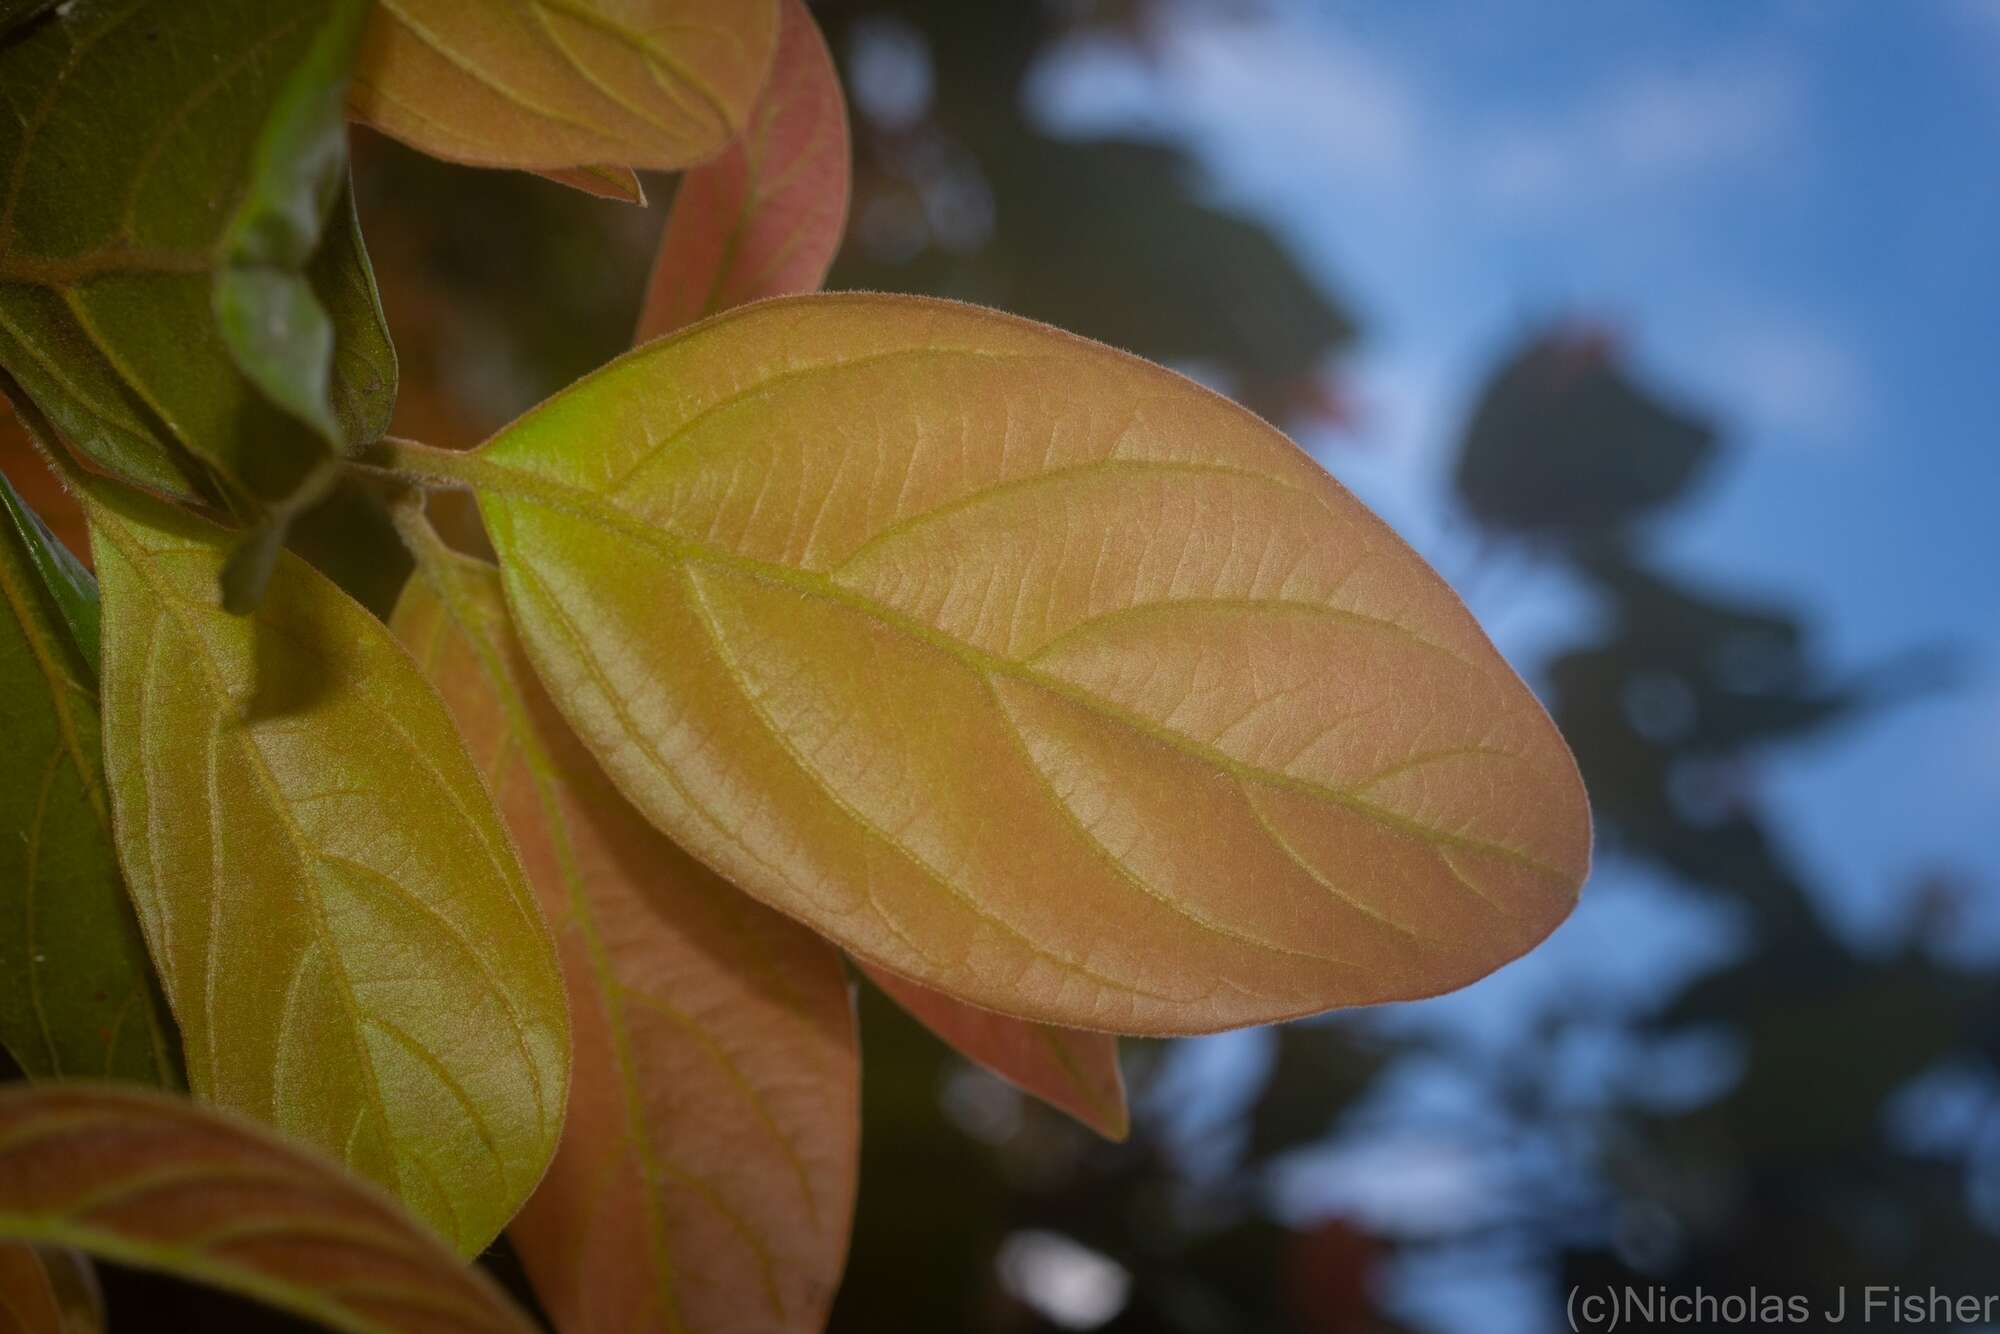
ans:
x=1790 y=212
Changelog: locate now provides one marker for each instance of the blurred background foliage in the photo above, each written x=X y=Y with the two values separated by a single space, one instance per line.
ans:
x=1750 y=1126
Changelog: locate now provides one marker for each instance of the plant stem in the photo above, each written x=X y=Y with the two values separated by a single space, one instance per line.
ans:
x=414 y=462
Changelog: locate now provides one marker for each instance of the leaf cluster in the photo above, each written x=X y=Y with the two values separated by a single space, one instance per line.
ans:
x=1061 y=696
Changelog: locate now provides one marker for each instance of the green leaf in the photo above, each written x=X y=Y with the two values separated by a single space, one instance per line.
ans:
x=707 y=1171
x=1027 y=671
x=76 y=991
x=339 y=919
x=167 y=1185
x=182 y=287
x=62 y=575
x=280 y=334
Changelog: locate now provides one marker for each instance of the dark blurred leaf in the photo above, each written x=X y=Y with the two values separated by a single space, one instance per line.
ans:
x=166 y=297
x=77 y=997
x=502 y=287
x=1564 y=443
x=926 y=1191
x=350 y=538
x=1830 y=1040
x=1109 y=239
x=13 y=13
x=60 y=575
x=1319 y=1072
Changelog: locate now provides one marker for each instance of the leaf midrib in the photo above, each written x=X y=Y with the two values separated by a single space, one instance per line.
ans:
x=505 y=480
x=131 y=550
x=540 y=769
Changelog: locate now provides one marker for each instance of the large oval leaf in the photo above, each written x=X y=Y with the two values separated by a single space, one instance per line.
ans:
x=76 y=991
x=167 y=1185
x=338 y=918
x=179 y=289
x=1028 y=671
x=706 y=1177
x=765 y=217
x=1071 y=1069
x=542 y=84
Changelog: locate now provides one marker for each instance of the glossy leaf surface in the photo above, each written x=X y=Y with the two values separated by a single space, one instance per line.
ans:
x=168 y=1185
x=707 y=1171
x=1071 y=1069
x=76 y=991
x=1028 y=671
x=546 y=84
x=182 y=285
x=765 y=217
x=337 y=916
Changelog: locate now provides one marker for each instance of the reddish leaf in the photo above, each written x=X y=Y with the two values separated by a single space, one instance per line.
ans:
x=165 y=1184
x=705 y=1180
x=1026 y=670
x=619 y=183
x=47 y=1292
x=543 y=84
x=764 y=218
x=1070 y=1069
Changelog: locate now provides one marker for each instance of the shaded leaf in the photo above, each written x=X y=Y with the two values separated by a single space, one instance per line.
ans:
x=620 y=183
x=34 y=480
x=13 y=13
x=1564 y=443
x=1318 y=1072
x=550 y=84
x=764 y=218
x=165 y=1184
x=172 y=305
x=47 y=1292
x=270 y=317
x=338 y=919
x=58 y=573
x=76 y=990
x=1071 y=1070
x=707 y=1170
x=1028 y=671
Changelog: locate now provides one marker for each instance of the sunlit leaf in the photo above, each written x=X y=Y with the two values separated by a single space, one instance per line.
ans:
x=706 y=1176
x=1072 y=1070
x=1028 y=671
x=182 y=286
x=765 y=218
x=76 y=990
x=547 y=84
x=167 y=1185
x=338 y=918
x=47 y=1291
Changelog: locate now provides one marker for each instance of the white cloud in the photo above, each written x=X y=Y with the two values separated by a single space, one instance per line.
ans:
x=1647 y=129
x=1794 y=380
x=1346 y=107
x=1338 y=106
x=1662 y=122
